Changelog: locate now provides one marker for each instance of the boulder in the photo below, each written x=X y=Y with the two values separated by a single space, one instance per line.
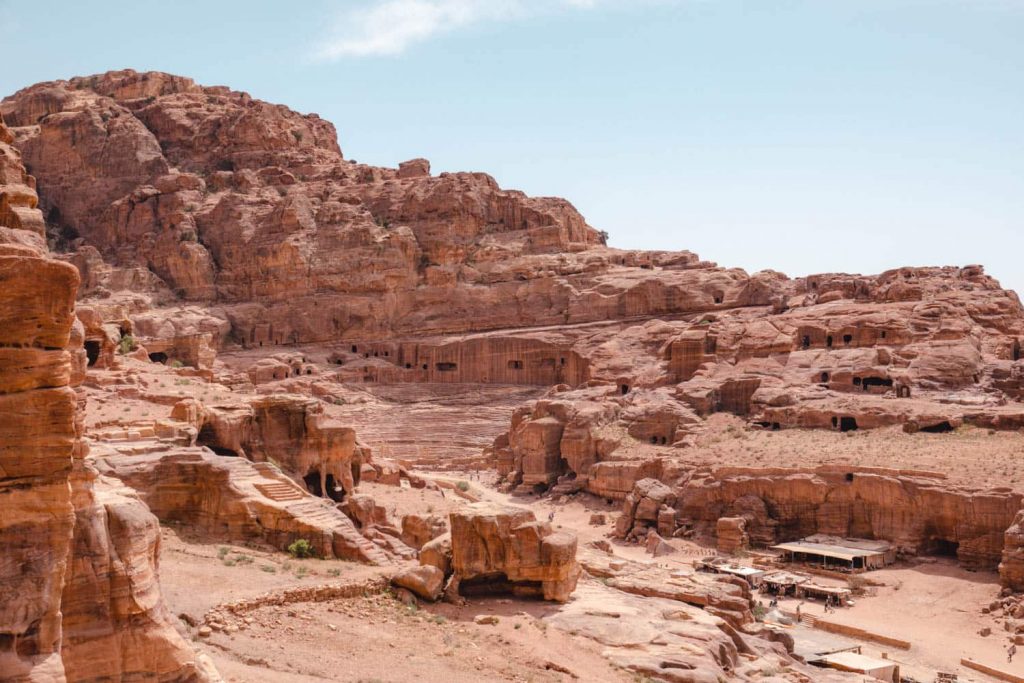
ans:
x=498 y=548
x=426 y=581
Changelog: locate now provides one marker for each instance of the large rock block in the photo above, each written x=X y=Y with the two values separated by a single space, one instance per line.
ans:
x=496 y=548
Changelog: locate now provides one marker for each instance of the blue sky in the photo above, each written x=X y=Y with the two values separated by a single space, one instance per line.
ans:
x=805 y=136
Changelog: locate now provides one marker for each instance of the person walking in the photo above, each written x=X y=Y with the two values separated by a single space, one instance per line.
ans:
x=1010 y=652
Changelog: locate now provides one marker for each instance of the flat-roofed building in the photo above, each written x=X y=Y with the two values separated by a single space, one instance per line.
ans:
x=842 y=553
x=854 y=662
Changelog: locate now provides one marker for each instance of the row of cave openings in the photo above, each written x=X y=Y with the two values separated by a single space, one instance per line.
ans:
x=830 y=342
x=93 y=349
x=448 y=366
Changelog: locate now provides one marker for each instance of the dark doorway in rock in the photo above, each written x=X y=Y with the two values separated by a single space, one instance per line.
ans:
x=313 y=485
x=847 y=424
x=624 y=389
x=654 y=439
x=158 y=357
x=208 y=437
x=849 y=476
x=940 y=428
x=92 y=351
x=847 y=338
x=776 y=426
x=515 y=365
x=903 y=392
x=876 y=382
x=355 y=349
x=828 y=341
x=408 y=366
x=446 y=367
x=1015 y=352
x=824 y=378
x=806 y=343
x=835 y=422
x=856 y=381
x=941 y=547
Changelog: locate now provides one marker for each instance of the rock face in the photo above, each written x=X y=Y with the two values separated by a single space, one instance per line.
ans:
x=79 y=571
x=731 y=535
x=116 y=626
x=234 y=499
x=918 y=513
x=290 y=430
x=504 y=549
x=37 y=433
x=1011 y=568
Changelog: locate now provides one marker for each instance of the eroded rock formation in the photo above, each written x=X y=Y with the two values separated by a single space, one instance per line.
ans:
x=79 y=570
x=498 y=548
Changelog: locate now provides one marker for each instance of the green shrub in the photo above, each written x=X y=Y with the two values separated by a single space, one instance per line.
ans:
x=126 y=345
x=300 y=548
x=463 y=486
x=176 y=364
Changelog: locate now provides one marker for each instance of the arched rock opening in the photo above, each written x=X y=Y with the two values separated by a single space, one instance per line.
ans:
x=92 y=351
x=158 y=357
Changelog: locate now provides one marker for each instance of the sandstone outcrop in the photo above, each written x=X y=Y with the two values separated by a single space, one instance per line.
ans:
x=292 y=431
x=918 y=513
x=79 y=571
x=1011 y=567
x=236 y=500
x=504 y=549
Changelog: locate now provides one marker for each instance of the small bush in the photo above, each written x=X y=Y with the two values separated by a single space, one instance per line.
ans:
x=300 y=549
x=463 y=486
x=176 y=364
x=222 y=552
x=334 y=572
x=268 y=569
x=126 y=345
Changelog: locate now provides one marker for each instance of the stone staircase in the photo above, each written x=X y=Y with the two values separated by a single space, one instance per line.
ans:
x=280 y=492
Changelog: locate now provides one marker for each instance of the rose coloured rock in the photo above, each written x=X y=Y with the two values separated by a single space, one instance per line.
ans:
x=78 y=568
x=499 y=548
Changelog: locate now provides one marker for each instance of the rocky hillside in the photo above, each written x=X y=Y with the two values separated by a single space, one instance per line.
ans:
x=229 y=238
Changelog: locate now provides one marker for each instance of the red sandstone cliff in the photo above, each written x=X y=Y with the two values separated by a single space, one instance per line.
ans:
x=78 y=575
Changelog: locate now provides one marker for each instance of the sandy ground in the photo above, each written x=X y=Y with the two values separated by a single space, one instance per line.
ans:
x=933 y=604
x=366 y=638
x=936 y=606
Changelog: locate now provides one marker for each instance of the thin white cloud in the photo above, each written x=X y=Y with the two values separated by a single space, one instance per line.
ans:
x=389 y=27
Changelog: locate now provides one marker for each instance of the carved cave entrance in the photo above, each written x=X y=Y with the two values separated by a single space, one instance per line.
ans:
x=940 y=428
x=92 y=351
x=334 y=492
x=941 y=547
x=498 y=584
x=208 y=437
x=158 y=357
